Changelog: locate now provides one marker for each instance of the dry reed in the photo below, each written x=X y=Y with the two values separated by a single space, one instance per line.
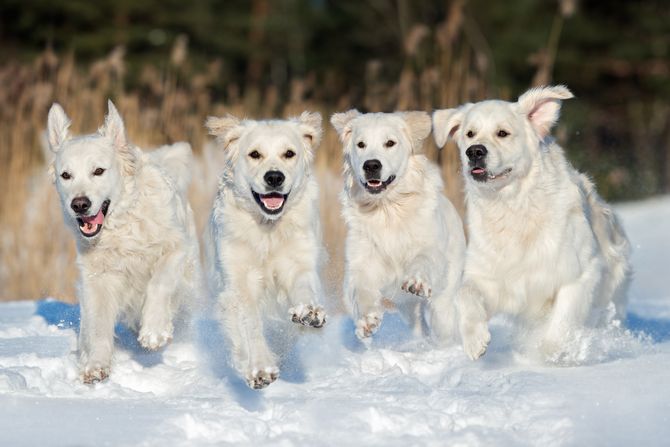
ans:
x=37 y=254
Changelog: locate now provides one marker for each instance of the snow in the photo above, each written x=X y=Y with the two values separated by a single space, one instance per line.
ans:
x=334 y=391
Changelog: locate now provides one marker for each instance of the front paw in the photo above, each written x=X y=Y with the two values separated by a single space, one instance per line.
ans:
x=476 y=338
x=308 y=315
x=260 y=378
x=368 y=325
x=94 y=373
x=153 y=339
x=417 y=286
x=556 y=349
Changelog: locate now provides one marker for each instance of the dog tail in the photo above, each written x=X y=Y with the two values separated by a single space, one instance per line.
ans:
x=614 y=245
x=177 y=161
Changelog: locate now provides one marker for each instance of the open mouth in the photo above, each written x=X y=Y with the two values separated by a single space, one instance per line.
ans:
x=375 y=186
x=90 y=226
x=271 y=203
x=482 y=175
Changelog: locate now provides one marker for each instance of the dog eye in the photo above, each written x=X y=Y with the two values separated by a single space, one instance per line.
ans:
x=470 y=134
x=389 y=143
x=99 y=171
x=361 y=145
x=65 y=176
x=255 y=155
x=502 y=133
x=289 y=154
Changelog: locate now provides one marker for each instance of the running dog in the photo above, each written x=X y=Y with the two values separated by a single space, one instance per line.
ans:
x=405 y=240
x=137 y=249
x=542 y=244
x=264 y=248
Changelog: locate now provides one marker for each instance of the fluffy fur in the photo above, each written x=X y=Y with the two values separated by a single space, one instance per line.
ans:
x=405 y=240
x=543 y=245
x=137 y=249
x=265 y=239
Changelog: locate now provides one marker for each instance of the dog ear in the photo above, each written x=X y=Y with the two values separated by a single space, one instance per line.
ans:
x=542 y=106
x=57 y=127
x=226 y=129
x=115 y=130
x=310 y=127
x=419 y=127
x=445 y=124
x=114 y=127
x=341 y=123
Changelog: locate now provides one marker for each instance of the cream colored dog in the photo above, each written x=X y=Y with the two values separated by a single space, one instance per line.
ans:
x=404 y=239
x=265 y=237
x=542 y=243
x=137 y=249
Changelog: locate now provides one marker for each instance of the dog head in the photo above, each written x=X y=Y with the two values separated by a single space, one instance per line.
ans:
x=499 y=140
x=88 y=170
x=377 y=146
x=267 y=162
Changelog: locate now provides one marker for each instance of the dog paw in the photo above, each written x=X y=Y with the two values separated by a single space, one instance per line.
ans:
x=260 y=378
x=308 y=315
x=368 y=325
x=417 y=286
x=555 y=350
x=476 y=339
x=153 y=340
x=94 y=374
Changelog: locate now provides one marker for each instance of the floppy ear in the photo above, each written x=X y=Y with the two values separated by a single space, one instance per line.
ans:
x=445 y=124
x=542 y=106
x=310 y=127
x=341 y=122
x=226 y=129
x=114 y=127
x=419 y=127
x=57 y=127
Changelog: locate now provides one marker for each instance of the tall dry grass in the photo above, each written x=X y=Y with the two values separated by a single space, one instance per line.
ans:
x=443 y=67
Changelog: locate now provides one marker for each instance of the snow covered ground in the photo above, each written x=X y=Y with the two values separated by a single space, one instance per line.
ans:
x=335 y=392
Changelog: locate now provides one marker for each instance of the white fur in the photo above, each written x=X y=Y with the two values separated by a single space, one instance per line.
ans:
x=144 y=264
x=407 y=238
x=543 y=245
x=261 y=266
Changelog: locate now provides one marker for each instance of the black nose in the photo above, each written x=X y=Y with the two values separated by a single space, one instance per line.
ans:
x=274 y=178
x=80 y=205
x=372 y=167
x=476 y=152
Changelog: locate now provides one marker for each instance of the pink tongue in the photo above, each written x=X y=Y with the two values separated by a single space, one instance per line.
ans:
x=478 y=171
x=97 y=219
x=272 y=203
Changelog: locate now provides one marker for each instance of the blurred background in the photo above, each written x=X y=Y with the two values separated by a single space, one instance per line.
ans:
x=167 y=64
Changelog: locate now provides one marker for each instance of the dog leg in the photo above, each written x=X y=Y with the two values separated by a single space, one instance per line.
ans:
x=251 y=354
x=571 y=309
x=365 y=298
x=442 y=312
x=156 y=325
x=96 y=334
x=473 y=320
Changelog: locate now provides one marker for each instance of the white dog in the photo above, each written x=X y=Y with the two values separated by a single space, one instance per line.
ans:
x=543 y=245
x=137 y=248
x=404 y=236
x=265 y=250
